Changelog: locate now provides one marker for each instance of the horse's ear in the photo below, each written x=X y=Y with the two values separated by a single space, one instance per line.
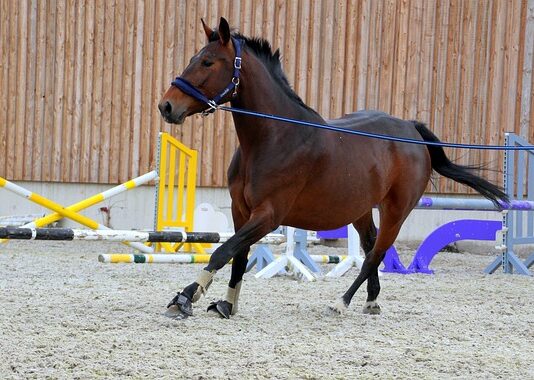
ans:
x=207 y=29
x=224 y=31
x=276 y=54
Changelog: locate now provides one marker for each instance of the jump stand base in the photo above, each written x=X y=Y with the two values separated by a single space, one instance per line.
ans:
x=261 y=257
x=515 y=265
x=281 y=263
x=296 y=244
x=392 y=263
x=342 y=268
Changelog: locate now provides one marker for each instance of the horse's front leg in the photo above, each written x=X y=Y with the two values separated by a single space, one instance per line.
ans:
x=258 y=225
x=229 y=306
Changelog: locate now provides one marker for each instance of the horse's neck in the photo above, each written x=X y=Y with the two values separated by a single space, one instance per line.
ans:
x=259 y=92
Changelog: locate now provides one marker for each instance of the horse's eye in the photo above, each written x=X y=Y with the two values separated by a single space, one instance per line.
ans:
x=206 y=63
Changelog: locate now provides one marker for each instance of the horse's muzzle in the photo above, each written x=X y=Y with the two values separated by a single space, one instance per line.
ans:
x=172 y=114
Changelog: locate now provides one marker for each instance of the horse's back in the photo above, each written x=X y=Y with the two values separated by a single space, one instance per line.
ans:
x=377 y=122
x=386 y=153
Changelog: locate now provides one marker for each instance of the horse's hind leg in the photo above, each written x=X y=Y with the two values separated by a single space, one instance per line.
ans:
x=367 y=230
x=391 y=219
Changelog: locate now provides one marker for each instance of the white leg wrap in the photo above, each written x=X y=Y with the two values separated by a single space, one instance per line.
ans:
x=232 y=296
x=371 y=307
x=339 y=307
x=204 y=281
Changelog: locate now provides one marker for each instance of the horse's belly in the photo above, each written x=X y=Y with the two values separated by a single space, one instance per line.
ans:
x=334 y=210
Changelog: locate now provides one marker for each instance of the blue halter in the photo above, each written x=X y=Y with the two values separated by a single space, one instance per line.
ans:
x=194 y=92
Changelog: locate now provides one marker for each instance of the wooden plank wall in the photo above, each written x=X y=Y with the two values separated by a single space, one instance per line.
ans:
x=80 y=80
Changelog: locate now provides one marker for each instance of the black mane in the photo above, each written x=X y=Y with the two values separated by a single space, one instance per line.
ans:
x=262 y=49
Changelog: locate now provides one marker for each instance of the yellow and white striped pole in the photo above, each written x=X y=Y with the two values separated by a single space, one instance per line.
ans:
x=67 y=212
x=180 y=258
x=97 y=198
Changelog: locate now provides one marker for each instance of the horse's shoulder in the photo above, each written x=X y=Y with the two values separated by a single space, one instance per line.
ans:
x=235 y=165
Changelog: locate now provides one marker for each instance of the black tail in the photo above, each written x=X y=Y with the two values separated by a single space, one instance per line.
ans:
x=458 y=173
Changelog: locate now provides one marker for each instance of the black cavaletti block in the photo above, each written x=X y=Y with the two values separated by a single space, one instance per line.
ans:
x=41 y=233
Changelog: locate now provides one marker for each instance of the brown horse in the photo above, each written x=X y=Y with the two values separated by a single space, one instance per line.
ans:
x=313 y=179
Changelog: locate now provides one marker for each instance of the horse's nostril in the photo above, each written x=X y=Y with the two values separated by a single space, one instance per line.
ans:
x=165 y=108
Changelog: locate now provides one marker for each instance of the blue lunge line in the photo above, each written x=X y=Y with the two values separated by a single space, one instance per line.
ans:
x=373 y=135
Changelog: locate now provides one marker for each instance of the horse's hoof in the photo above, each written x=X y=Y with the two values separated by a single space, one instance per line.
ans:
x=338 y=308
x=371 y=308
x=224 y=308
x=180 y=307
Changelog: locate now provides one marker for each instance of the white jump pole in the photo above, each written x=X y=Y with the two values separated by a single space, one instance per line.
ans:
x=19 y=233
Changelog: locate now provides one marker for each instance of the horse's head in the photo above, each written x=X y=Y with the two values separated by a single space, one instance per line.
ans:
x=209 y=71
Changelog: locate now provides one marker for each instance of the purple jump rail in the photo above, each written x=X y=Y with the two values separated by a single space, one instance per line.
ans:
x=471 y=204
x=464 y=229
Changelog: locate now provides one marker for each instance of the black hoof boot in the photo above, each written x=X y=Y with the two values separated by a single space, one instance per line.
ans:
x=224 y=308
x=180 y=307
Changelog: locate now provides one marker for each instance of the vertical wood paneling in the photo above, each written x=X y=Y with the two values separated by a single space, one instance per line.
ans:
x=338 y=59
x=48 y=95
x=452 y=83
x=495 y=81
x=426 y=60
x=59 y=93
x=4 y=74
x=439 y=78
x=349 y=68
x=478 y=104
x=146 y=84
x=81 y=79
x=135 y=138
x=399 y=65
x=325 y=57
x=86 y=87
x=387 y=57
x=375 y=50
x=67 y=139
x=466 y=50
x=76 y=34
x=12 y=87
x=126 y=104
x=40 y=93
x=199 y=39
x=363 y=54
x=21 y=80
x=116 y=93
x=96 y=143
x=29 y=106
x=526 y=67
x=314 y=33
x=303 y=54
